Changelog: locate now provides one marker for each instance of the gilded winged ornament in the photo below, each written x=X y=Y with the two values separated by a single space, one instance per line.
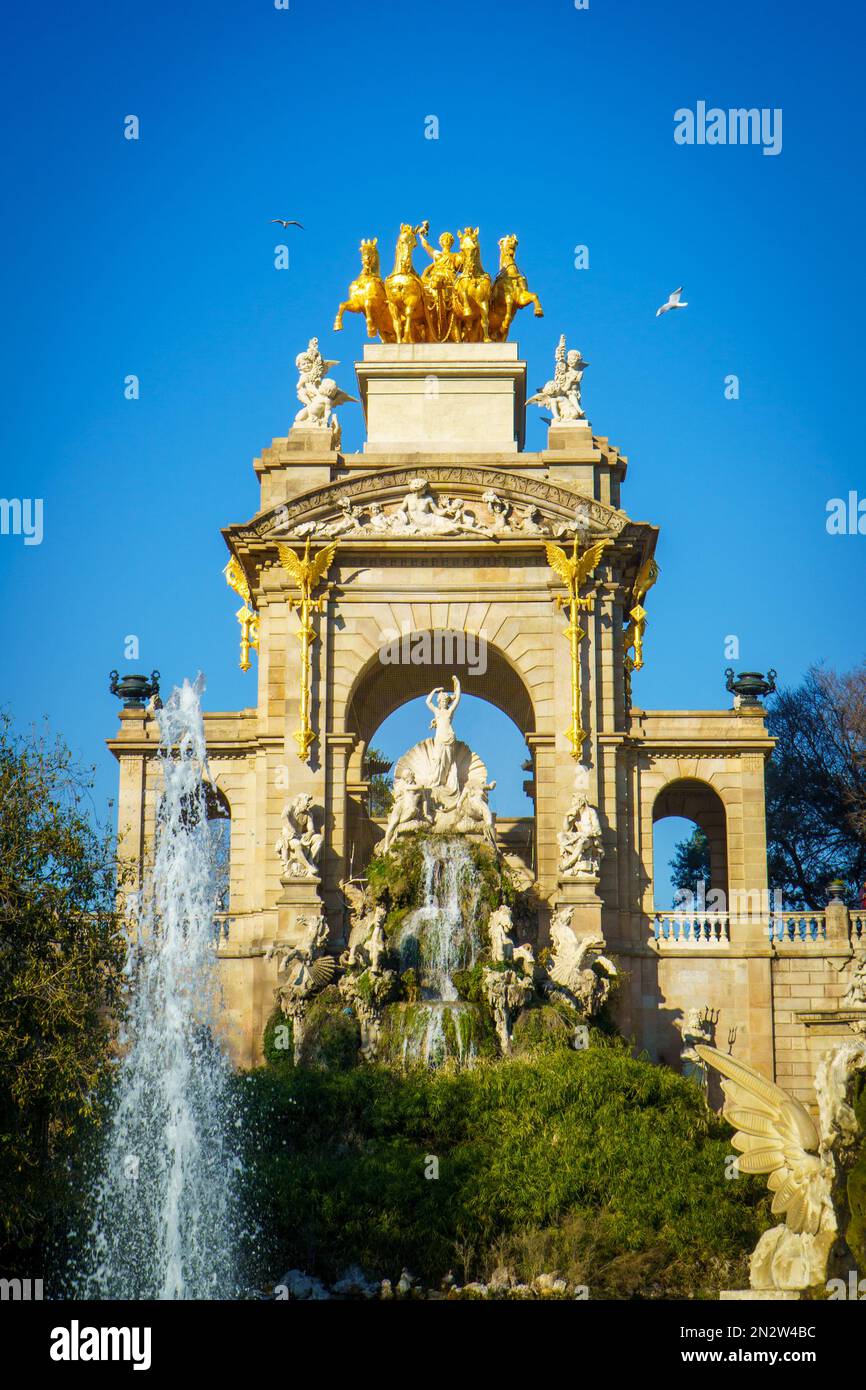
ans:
x=574 y=570
x=633 y=641
x=247 y=615
x=307 y=572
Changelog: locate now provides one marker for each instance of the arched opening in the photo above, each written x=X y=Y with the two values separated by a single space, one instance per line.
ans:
x=414 y=663
x=690 y=851
x=387 y=711
x=490 y=733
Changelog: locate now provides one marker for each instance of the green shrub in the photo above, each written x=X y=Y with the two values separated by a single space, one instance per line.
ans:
x=277 y=1043
x=331 y=1035
x=591 y=1161
x=540 y=1028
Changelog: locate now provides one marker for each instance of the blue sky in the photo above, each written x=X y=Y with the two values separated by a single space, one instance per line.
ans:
x=156 y=257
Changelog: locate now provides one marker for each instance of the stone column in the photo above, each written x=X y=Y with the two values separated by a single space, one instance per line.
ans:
x=543 y=750
x=335 y=865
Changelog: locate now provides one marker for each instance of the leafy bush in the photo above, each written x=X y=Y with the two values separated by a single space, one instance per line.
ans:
x=331 y=1033
x=61 y=981
x=605 y=1168
x=540 y=1028
x=277 y=1040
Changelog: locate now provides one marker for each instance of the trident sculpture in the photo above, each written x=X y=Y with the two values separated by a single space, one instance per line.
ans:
x=574 y=572
x=307 y=572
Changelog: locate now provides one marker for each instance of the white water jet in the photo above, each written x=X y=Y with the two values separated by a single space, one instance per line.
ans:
x=165 y=1223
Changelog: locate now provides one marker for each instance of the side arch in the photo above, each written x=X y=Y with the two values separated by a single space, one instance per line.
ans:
x=696 y=800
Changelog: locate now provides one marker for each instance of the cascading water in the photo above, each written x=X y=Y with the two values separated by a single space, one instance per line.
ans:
x=165 y=1222
x=437 y=939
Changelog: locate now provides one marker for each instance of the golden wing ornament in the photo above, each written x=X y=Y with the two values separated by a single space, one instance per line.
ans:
x=322 y=563
x=646 y=577
x=775 y=1135
x=237 y=580
x=560 y=563
x=589 y=559
x=291 y=563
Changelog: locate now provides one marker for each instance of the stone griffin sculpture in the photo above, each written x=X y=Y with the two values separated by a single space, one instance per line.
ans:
x=319 y=394
x=454 y=300
x=561 y=396
x=807 y=1166
x=300 y=843
x=577 y=972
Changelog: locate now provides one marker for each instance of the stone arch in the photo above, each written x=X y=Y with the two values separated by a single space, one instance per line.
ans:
x=382 y=687
x=697 y=800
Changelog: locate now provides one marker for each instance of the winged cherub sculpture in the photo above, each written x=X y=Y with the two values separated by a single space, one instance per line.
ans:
x=318 y=394
x=806 y=1168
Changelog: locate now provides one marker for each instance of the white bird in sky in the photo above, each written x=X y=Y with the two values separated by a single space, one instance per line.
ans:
x=673 y=302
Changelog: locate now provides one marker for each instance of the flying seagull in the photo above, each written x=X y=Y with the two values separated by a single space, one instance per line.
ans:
x=674 y=302
x=283 y=223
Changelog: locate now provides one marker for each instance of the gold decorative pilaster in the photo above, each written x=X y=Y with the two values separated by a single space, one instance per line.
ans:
x=574 y=571
x=307 y=573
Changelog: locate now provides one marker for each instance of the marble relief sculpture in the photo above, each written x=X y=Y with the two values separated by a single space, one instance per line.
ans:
x=420 y=512
x=855 y=995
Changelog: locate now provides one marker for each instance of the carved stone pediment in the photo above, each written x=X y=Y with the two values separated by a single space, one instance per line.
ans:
x=437 y=501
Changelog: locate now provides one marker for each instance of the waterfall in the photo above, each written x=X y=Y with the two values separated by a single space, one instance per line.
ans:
x=165 y=1222
x=437 y=939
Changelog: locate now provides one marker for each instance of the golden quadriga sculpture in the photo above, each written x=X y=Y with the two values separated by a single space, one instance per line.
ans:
x=453 y=301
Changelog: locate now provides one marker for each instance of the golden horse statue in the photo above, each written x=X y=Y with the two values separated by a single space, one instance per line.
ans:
x=367 y=296
x=510 y=292
x=406 y=298
x=472 y=293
